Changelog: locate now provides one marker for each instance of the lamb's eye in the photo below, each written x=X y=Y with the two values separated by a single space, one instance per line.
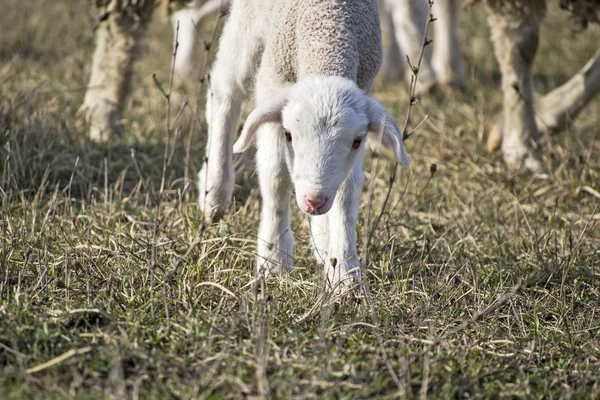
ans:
x=288 y=135
x=356 y=143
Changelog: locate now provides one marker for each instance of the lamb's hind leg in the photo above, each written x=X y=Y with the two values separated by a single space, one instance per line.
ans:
x=231 y=74
x=319 y=232
x=515 y=33
x=190 y=19
x=118 y=36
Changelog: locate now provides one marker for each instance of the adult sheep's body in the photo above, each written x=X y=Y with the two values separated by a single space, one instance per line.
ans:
x=313 y=63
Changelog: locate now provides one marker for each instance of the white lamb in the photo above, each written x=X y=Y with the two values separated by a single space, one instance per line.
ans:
x=314 y=62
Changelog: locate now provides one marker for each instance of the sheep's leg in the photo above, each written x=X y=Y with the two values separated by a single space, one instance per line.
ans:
x=409 y=18
x=319 y=230
x=447 y=59
x=515 y=32
x=185 y=65
x=231 y=73
x=209 y=8
x=275 y=241
x=394 y=62
x=117 y=40
x=342 y=266
x=557 y=109
x=562 y=105
x=189 y=19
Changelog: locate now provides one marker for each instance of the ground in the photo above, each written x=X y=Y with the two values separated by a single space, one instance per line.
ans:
x=480 y=284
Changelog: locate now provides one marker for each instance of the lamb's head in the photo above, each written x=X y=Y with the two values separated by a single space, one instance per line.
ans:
x=324 y=122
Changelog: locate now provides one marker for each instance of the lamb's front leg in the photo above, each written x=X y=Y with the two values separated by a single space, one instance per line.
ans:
x=275 y=241
x=343 y=266
x=231 y=74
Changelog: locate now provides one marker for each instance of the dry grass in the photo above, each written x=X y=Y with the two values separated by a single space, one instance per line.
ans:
x=483 y=285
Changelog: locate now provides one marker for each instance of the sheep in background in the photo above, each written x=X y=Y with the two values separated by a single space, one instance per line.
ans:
x=406 y=27
x=514 y=28
x=515 y=33
x=189 y=17
x=313 y=63
x=556 y=110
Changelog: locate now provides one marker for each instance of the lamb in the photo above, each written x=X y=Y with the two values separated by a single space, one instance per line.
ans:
x=313 y=63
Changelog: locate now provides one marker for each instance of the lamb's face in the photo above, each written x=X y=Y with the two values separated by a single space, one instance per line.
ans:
x=324 y=122
x=325 y=126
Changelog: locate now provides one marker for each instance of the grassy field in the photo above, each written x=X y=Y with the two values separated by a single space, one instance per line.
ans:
x=481 y=284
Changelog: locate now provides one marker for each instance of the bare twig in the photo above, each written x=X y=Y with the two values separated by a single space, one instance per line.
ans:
x=58 y=360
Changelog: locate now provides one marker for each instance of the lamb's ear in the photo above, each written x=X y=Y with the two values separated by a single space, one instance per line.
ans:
x=379 y=116
x=267 y=111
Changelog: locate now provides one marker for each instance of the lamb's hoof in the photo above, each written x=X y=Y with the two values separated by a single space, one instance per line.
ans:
x=215 y=195
x=214 y=214
x=213 y=205
x=342 y=276
x=275 y=258
x=267 y=268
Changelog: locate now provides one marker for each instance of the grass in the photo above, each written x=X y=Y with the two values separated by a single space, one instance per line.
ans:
x=482 y=284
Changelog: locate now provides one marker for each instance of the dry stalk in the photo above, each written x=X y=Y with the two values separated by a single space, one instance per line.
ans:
x=405 y=135
x=159 y=197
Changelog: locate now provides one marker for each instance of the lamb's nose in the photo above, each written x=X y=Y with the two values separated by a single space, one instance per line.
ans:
x=314 y=202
